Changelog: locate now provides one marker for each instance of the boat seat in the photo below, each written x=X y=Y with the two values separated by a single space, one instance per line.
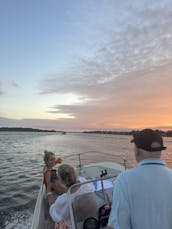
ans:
x=84 y=206
x=88 y=204
x=100 y=197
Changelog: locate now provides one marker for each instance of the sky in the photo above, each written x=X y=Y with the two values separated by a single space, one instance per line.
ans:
x=86 y=65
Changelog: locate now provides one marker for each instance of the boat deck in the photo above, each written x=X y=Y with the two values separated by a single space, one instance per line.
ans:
x=94 y=170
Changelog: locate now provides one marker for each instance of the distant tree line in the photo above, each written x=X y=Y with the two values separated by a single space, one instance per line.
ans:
x=109 y=132
x=164 y=133
x=27 y=129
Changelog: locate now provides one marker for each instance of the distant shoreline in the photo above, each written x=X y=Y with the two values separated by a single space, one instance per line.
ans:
x=164 y=133
x=18 y=129
x=29 y=130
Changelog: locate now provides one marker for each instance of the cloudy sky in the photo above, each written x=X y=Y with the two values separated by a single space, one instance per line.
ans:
x=95 y=64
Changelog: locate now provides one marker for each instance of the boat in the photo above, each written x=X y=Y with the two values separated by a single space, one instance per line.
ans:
x=100 y=173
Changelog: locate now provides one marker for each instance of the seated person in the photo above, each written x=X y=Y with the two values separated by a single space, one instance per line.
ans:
x=50 y=162
x=59 y=210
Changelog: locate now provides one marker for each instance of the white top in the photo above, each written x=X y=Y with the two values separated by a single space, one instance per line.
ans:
x=142 y=197
x=60 y=209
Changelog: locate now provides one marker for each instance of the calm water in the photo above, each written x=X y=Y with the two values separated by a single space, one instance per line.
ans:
x=21 y=166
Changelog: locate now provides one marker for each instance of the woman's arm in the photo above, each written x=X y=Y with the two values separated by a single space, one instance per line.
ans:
x=50 y=196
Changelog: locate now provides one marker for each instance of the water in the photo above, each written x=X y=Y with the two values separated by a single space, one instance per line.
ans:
x=21 y=166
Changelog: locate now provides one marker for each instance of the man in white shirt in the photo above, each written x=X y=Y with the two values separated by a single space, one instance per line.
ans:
x=142 y=197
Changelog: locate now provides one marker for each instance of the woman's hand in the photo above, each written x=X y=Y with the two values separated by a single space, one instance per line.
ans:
x=59 y=160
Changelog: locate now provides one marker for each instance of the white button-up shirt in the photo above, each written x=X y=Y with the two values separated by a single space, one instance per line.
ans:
x=142 y=197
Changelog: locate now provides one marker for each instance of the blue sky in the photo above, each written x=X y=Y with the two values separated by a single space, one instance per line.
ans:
x=86 y=64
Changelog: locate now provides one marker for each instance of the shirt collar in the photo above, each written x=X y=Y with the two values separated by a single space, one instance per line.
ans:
x=152 y=160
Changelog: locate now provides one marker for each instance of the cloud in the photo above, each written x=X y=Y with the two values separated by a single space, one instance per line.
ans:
x=136 y=100
x=140 y=39
x=14 y=84
x=126 y=81
x=140 y=97
x=7 y=85
x=129 y=76
x=1 y=91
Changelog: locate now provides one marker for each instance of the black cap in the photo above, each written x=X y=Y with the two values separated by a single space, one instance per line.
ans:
x=149 y=140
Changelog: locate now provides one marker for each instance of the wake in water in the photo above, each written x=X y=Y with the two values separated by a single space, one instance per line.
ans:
x=16 y=220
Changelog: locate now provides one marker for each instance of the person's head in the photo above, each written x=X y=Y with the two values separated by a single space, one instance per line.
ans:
x=67 y=175
x=148 y=144
x=49 y=158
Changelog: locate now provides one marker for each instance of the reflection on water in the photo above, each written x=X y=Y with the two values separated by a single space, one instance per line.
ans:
x=21 y=166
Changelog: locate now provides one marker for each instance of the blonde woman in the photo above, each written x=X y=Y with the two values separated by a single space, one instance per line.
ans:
x=59 y=211
x=50 y=161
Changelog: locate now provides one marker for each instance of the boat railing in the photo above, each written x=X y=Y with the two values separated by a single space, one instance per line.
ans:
x=89 y=157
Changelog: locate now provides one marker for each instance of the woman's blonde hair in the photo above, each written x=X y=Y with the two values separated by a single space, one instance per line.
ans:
x=47 y=155
x=67 y=174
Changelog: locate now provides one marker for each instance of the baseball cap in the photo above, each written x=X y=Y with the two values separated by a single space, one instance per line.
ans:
x=149 y=140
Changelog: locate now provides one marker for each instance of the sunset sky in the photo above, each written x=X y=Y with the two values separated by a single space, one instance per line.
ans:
x=95 y=64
